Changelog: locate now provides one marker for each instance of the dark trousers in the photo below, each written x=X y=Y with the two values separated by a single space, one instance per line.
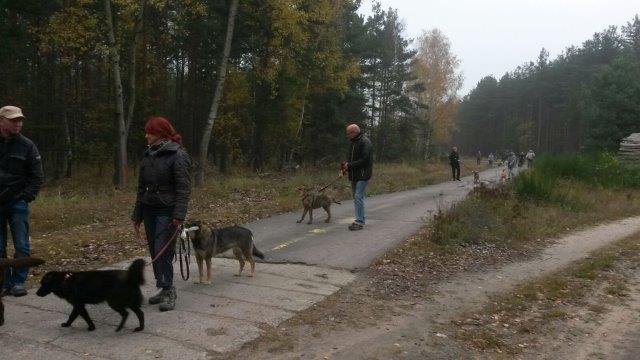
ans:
x=157 y=226
x=455 y=169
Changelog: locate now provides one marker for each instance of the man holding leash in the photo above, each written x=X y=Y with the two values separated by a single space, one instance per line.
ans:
x=21 y=177
x=359 y=166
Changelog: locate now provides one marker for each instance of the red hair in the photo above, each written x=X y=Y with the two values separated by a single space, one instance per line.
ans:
x=163 y=129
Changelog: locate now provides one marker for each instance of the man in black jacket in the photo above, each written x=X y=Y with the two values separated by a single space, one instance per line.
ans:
x=359 y=166
x=454 y=161
x=20 y=180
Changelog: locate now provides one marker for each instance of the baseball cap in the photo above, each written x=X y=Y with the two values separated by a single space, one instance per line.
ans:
x=11 y=112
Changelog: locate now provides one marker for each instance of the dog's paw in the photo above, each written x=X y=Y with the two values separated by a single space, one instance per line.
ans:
x=299 y=221
x=237 y=274
x=309 y=223
x=197 y=282
x=64 y=324
x=139 y=328
x=119 y=328
x=91 y=328
x=327 y=221
x=250 y=275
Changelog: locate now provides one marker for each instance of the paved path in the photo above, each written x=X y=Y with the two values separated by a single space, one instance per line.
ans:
x=305 y=263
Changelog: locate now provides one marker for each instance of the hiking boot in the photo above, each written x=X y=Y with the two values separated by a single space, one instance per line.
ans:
x=158 y=298
x=356 y=226
x=18 y=290
x=169 y=302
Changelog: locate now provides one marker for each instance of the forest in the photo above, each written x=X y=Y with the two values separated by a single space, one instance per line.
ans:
x=257 y=84
x=585 y=100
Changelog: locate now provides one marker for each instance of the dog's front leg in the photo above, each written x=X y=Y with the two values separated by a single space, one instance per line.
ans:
x=304 y=213
x=72 y=317
x=208 y=263
x=328 y=210
x=125 y=314
x=85 y=316
x=140 y=316
x=1 y=312
x=310 y=216
x=200 y=269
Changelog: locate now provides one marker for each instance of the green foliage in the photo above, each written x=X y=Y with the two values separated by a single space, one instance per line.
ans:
x=600 y=169
x=584 y=100
x=534 y=186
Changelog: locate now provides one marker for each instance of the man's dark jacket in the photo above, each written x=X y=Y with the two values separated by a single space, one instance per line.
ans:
x=360 y=160
x=454 y=159
x=21 y=173
x=164 y=180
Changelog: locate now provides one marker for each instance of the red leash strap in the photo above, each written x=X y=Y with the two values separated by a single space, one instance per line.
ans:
x=166 y=246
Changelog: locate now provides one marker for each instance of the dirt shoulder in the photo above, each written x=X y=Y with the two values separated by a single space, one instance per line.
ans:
x=391 y=312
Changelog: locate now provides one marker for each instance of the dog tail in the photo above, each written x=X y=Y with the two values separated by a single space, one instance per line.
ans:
x=20 y=262
x=257 y=252
x=135 y=274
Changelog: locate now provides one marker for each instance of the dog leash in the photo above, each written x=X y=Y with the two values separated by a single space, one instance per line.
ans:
x=166 y=246
x=329 y=184
x=185 y=245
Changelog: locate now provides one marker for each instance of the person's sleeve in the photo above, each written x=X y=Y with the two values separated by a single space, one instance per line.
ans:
x=182 y=178
x=137 y=209
x=35 y=175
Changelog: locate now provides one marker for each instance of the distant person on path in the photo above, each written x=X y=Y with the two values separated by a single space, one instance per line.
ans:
x=21 y=177
x=478 y=157
x=491 y=159
x=530 y=156
x=164 y=188
x=521 y=159
x=512 y=165
x=454 y=161
x=359 y=166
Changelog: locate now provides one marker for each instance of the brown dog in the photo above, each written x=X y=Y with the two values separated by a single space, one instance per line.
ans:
x=314 y=200
x=19 y=262
x=209 y=242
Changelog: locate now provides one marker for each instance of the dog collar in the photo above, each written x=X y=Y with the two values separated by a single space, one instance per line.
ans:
x=67 y=276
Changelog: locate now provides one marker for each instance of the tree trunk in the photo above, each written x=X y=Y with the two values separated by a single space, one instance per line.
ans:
x=213 y=113
x=121 y=153
x=137 y=31
x=301 y=122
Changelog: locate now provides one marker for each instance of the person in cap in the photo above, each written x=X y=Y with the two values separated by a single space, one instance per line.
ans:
x=164 y=188
x=21 y=177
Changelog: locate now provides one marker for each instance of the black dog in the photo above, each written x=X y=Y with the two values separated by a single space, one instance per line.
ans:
x=19 y=262
x=119 y=288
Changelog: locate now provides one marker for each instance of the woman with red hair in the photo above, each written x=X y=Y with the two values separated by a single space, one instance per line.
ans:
x=164 y=187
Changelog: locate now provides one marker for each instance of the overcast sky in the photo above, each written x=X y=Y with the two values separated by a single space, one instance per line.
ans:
x=495 y=36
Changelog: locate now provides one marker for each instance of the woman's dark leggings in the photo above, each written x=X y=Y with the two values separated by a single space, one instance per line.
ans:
x=157 y=226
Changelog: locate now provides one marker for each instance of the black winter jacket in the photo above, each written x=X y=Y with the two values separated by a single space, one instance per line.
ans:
x=21 y=173
x=454 y=159
x=360 y=160
x=164 y=180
